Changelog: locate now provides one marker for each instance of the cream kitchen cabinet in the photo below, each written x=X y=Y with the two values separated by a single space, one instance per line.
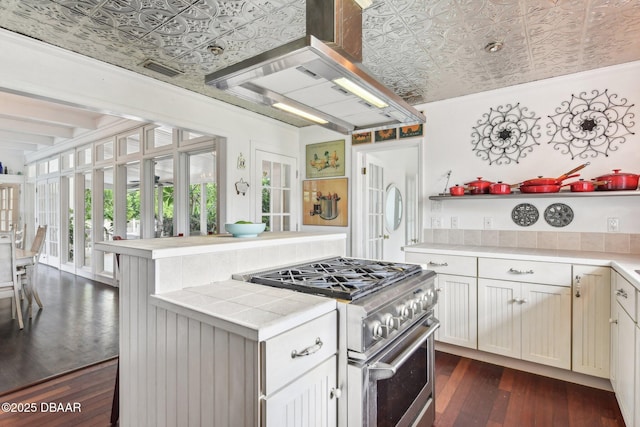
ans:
x=591 y=313
x=299 y=375
x=524 y=319
x=456 y=285
x=623 y=349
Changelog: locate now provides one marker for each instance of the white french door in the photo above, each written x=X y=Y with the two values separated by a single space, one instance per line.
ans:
x=48 y=213
x=374 y=202
x=274 y=177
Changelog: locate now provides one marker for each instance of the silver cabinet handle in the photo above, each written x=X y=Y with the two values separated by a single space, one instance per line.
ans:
x=307 y=351
x=437 y=264
x=622 y=293
x=614 y=321
x=577 y=283
x=514 y=271
x=335 y=392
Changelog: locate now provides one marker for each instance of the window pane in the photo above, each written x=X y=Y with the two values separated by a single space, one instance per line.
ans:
x=88 y=240
x=133 y=201
x=104 y=151
x=67 y=160
x=84 y=156
x=160 y=137
x=163 y=197
x=71 y=217
x=203 y=194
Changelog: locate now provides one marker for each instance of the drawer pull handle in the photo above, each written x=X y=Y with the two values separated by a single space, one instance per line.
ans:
x=514 y=271
x=307 y=351
x=613 y=321
x=438 y=264
x=622 y=293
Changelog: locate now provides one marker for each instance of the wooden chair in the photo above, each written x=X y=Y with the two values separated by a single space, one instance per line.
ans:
x=28 y=280
x=20 y=236
x=9 y=284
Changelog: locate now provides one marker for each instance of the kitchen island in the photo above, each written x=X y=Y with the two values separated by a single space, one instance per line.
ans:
x=192 y=341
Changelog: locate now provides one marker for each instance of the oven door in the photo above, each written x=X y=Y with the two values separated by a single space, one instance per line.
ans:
x=397 y=383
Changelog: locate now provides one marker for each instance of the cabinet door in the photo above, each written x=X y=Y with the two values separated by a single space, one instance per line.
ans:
x=625 y=366
x=498 y=317
x=591 y=313
x=457 y=310
x=308 y=401
x=545 y=312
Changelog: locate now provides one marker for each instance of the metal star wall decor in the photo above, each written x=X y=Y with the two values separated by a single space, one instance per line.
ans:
x=589 y=126
x=506 y=134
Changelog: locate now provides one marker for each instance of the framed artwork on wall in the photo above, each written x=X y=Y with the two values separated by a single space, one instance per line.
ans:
x=325 y=159
x=386 y=134
x=325 y=202
x=410 y=131
x=361 y=138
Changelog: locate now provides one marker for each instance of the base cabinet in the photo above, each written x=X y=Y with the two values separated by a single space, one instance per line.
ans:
x=591 y=312
x=307 y=401
x=623 y=350
x=457 y=310
x=528 y=321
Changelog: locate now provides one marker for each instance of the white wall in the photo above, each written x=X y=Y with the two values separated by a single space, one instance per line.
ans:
x=12 y=159
x=448 y=146
x=37 y=69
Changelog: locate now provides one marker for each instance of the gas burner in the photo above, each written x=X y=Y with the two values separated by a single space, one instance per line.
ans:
x=344 y=278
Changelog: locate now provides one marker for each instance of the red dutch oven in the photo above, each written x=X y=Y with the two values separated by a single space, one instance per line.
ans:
x=479 y=186
x=582 y=186
x=618 y=181
x=456 y=190
x=501 y=188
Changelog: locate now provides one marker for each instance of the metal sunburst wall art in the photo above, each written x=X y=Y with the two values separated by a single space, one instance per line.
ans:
x=506 y=134
x=591 y=125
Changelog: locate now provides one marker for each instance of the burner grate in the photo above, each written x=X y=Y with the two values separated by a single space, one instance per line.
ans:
x=344 y=278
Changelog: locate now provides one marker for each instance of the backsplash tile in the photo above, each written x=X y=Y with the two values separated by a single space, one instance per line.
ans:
x=571 y=241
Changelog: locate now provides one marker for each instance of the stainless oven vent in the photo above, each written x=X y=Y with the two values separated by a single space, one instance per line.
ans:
x=159 y=68
x=300 y=77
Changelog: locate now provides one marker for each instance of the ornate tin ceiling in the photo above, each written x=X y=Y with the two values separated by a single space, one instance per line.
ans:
x=424 y=50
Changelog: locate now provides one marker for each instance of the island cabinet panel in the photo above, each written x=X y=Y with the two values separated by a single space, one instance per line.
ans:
x=204 y=375
x=591 y=313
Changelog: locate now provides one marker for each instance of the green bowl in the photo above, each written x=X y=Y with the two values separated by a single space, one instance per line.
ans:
x=245 y=230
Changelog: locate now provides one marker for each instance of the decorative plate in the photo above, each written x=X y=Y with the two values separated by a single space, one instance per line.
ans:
x=558 y=215
x=525 y=214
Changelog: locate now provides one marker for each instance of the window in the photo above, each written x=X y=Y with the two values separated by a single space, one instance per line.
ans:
x=133 y=200
x=163 y=197
x=104 y=151
x=203 y=194
x=84 y=156
x=275 y=207
x=158 y=137
x=129 y=144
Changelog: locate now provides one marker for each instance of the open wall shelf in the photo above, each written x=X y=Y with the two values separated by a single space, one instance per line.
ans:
x=518 y=195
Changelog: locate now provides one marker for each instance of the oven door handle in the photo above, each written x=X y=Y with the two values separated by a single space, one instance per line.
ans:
x=383 y=371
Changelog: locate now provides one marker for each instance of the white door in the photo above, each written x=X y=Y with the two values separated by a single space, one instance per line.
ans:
x=374 y=203
x=274 y=177
x=457 y=310
x=498 y=317
x=48 y=213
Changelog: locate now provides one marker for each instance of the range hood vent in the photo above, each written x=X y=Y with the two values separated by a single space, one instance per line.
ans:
x=319 y=76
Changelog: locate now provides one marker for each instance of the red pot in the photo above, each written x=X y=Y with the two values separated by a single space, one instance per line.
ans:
x=582 y=186
x=479 y=186
x=555 y=181
x=549 y=188
x=500 y=188
x=457 y=190
x=618 y=181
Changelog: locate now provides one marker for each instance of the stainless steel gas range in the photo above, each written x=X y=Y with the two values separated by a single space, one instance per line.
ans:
x=386 y=326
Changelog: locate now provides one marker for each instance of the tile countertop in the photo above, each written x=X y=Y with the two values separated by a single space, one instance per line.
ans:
x=625 y=264
x=178 y=246
x=256 y=312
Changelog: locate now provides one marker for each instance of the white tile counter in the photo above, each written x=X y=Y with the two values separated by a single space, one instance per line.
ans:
x=625 y=264
x=256 y=312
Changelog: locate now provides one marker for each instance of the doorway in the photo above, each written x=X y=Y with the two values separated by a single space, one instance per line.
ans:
x=387 y=202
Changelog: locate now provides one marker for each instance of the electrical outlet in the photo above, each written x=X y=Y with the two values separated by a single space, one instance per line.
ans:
x=488 y=223
x=454 y=222
x=436 y=206
x=436 y=222
x=613 y=225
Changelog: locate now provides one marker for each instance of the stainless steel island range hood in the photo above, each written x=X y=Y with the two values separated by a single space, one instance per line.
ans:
x=316 y=76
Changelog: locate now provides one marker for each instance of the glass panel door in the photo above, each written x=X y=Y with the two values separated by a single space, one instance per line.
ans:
x=67 y=218
x=133 y=201
x=375 y=212
x=275 y=197
x=87 y=225
x=163 y=197
x=203 y=194
x=52 y=241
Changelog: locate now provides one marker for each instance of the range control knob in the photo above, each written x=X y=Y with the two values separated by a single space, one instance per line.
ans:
x=379 y=330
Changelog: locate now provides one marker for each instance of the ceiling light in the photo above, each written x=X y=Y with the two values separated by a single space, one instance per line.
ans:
x=298 y=112
x=215 y=49
x=364 y=3
x=493 y=47
x=360 y=92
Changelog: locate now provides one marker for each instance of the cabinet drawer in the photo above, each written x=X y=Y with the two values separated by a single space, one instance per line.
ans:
x=446 y=264
x=625 y=294
x=284 y=356
x=549 y=273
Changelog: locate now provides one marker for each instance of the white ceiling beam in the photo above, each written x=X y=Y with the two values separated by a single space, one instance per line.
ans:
x=37 y=128
x=26 y=138
x=22 y=107
x=20 y=146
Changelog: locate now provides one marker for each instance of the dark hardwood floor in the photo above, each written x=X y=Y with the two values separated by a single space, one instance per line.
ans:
x=77 y=327
x=474 y=393
x=469 y=393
